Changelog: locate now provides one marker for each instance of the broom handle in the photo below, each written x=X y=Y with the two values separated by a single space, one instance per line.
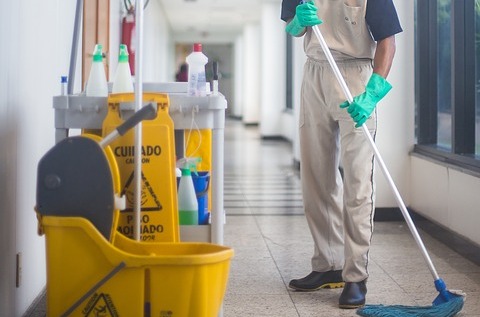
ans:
x=378 y=157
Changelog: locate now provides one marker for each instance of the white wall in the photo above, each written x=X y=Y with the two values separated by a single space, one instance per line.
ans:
x=396 y=113
x=447 y=196
x=8 y=122
x=236 y=106
x=158 y=62
x=33 y=59
x=252 y=74
x=299 y=59
x=272 y=70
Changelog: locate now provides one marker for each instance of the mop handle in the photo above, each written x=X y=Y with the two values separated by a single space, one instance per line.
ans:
x=378 y=157
x=146 y=113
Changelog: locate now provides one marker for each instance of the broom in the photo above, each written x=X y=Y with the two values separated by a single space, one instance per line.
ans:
x=447 y=303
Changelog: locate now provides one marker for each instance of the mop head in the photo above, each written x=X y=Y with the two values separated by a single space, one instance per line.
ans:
x=446 y=309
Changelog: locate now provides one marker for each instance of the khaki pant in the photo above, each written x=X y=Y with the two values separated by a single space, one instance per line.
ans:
x=339 y=212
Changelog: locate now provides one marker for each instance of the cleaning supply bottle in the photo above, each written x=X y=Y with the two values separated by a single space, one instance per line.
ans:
x=97 y=81
x=197 y=81
x=123 y=76
x=187 y=199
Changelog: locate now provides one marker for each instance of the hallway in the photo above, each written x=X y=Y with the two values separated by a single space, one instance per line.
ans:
x=268 y=232
x=272 y=243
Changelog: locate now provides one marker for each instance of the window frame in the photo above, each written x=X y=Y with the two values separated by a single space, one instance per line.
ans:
x=462 y=152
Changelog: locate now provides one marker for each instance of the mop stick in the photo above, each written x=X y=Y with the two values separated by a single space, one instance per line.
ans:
x=444 y=295
x=137 y=155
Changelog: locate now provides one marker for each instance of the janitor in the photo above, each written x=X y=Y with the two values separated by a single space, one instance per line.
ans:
x=339 y=209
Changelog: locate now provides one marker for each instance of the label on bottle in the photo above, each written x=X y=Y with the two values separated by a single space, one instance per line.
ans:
x=187 y=217
x=197 y=84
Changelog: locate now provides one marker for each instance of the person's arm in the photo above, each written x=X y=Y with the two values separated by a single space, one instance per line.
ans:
x=377 y=87
x=383 y=59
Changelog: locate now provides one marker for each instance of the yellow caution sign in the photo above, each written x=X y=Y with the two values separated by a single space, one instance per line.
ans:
x=159 y=217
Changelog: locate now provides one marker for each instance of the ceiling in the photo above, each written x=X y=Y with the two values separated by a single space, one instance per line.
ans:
x=209 y=18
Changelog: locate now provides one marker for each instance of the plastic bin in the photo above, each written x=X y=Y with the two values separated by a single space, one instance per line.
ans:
x=88 y=274
x=201 y=182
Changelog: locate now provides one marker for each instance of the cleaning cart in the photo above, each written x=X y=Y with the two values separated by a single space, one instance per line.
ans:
x=73 y=112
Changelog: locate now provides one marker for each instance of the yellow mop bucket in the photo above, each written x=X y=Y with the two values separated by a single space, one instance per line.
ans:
x=87 y=275
x=92 y=269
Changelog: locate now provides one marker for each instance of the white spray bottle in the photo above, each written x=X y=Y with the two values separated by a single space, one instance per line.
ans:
x=97 y=81
x=123 y=82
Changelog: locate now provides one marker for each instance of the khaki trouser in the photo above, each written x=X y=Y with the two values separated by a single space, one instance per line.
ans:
x=339 y=212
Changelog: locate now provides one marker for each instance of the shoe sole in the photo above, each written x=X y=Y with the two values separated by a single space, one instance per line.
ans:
x=324 y=286
x=350 y=306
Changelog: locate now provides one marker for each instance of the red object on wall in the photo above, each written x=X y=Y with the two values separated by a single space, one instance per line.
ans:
x=129 y=38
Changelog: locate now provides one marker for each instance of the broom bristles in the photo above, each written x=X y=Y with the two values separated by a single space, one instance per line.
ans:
x=447 y=309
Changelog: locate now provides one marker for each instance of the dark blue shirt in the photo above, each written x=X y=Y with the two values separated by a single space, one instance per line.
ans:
x=381 y=17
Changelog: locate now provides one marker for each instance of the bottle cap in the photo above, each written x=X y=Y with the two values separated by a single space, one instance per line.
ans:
x=197 y=47
x=97 y=53
x=123 y=54
x=64 y=79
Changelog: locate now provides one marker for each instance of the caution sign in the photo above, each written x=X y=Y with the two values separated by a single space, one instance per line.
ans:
x=149 y=200
x=100 y=305
x=159 y=213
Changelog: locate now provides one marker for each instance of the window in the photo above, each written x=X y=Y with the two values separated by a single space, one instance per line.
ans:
x=477 y=77
x=447 y=79
x=444 y=82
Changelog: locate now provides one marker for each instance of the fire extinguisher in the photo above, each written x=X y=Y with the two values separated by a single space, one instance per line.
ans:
x=129 y=38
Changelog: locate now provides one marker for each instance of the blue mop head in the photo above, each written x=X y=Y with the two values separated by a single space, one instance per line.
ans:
x=446 y=309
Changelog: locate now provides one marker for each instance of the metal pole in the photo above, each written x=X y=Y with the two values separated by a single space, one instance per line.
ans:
x=75 y=41
x=138 y=128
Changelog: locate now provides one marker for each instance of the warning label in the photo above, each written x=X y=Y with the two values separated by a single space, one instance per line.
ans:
x=149 y=200
x=100 y=305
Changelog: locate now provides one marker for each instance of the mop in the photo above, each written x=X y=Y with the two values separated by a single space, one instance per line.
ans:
x=447 y=303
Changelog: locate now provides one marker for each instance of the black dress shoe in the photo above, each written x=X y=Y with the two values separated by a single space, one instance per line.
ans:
x=317 y=280
x=353 y=295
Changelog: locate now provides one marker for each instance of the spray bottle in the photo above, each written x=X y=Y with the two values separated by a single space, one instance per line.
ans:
x=97 y=81
x=123 y=76
x=187 y=198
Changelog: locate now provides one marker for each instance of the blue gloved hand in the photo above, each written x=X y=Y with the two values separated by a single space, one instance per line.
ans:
x=363 y=105
x=305 y=15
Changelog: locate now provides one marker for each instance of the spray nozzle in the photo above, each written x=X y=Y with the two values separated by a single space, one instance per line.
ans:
x=97 y=53
x=123 y=54
x=188 y=164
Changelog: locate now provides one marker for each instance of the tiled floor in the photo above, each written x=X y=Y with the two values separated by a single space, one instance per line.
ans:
x=267 y=229
x=272 y=244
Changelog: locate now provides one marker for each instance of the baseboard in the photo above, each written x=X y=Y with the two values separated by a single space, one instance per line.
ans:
x=38 y=306
x=466 y=248
x=274 y=138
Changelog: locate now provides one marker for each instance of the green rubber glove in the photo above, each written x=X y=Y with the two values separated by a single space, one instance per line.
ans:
x=363 y=105
x=305 y=15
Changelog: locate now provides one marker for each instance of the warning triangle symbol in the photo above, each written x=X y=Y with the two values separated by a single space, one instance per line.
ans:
x=102 y=307
x=149 y=200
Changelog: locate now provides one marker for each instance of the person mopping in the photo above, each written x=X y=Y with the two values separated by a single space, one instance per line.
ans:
x=340 y=211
